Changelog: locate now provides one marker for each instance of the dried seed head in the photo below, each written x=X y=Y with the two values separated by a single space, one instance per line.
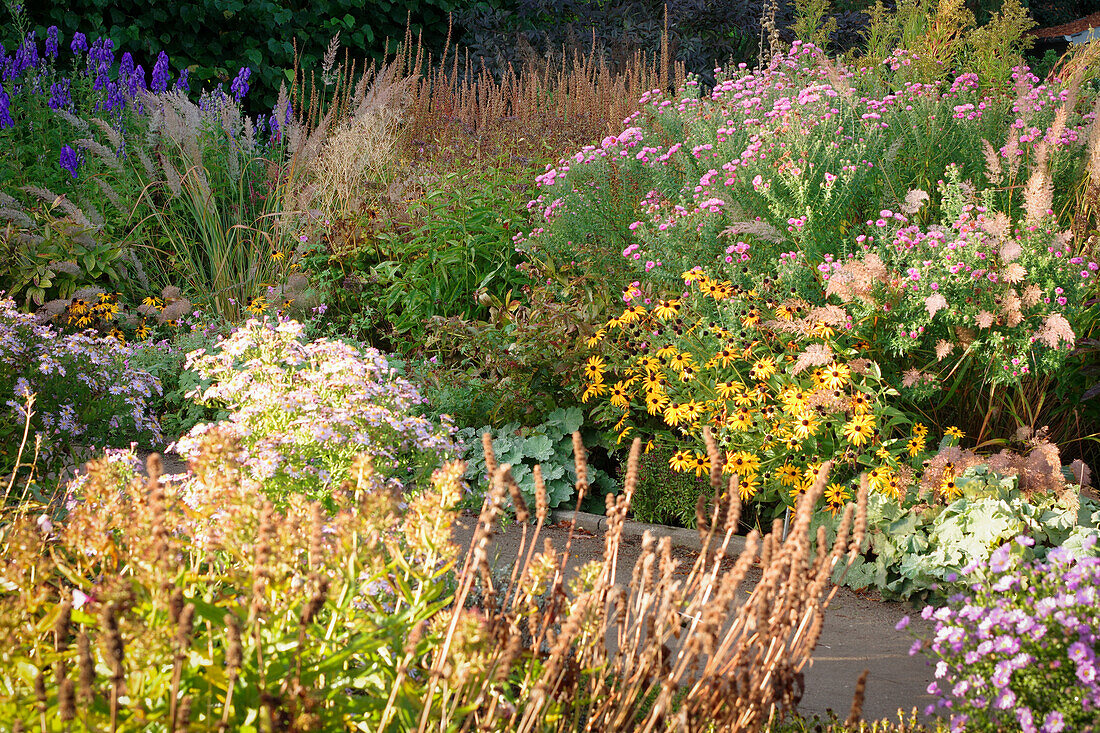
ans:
x=183 y=715
x=317 y=534
x=542 y=502
x=316 y=601
x=856 y=714
x=175 y=606
x=522 y=515
x=234 y=654
x=631 y=481
x=113 y=643
x=861 y=517
x=580 y=461
x=66 y=700
x=153 y=466
x=87 y=667
x=40 y=690
x=185 y=627
x=61 y=627
x=490 y=457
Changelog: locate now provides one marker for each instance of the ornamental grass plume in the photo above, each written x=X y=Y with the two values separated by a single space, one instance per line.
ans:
x=669 y=650
x=193 y=602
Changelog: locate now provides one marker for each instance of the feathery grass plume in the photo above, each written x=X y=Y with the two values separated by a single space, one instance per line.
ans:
x=113 y=135
x=914 y=200
x=757 y=228
x=992 y=162
x=61 y=202
x=101 y=151
x=79 y=123
x=16 y=217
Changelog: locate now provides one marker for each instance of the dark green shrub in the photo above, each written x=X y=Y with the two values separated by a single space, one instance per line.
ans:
x=665 y=496
x=214 y=38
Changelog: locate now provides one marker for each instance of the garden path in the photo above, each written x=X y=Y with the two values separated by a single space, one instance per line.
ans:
x=859 y=631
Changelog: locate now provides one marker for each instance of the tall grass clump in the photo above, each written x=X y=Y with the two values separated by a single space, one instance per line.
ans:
x=183 y=602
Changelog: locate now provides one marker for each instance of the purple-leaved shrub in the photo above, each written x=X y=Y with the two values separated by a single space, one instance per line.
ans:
x=303 y=410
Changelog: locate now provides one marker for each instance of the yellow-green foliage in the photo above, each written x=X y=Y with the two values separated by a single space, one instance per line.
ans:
x=808 y=25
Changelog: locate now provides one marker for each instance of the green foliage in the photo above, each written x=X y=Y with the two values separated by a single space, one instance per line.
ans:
x=56 y=259
x=458 y=244
x=547 y=444
x=663 y=495
x=921 y=551
x=214 y=38
x=810 y=25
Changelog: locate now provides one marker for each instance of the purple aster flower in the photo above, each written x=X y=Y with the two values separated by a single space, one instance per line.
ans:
x=51 y=41
x=239 y=87
x=80 y=43
x=1026 y=719
x=71 y=160
x=999 y=560
x=158 y=82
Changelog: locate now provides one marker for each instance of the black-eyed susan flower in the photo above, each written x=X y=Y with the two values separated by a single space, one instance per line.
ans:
x=594 y=368
x=803 y=426
x=596 y=389
x=747 y=487
x=723 y=356
x=836 y=497
x=143 y=331
x=763 y=369
x=117 y=335
x=595 y=338
x=920 y=430
x=860 y=429
x=680 y=360
x=727 y=390
x=257 y=305
x=915 y=445
x=788 y=474
x=667 y=309
x=667 y=352
x=619 y=394
x=681 y=460
x=835 y=376
x=954 y=432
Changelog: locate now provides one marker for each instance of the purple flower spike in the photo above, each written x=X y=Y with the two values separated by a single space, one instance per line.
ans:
x=159 y=80
x=239 y=87
x=51 y=41
x=126 y=66
x=60 y=94
x=80 y=43
x=5 y=112
x=70 y=160
x=181 y=84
